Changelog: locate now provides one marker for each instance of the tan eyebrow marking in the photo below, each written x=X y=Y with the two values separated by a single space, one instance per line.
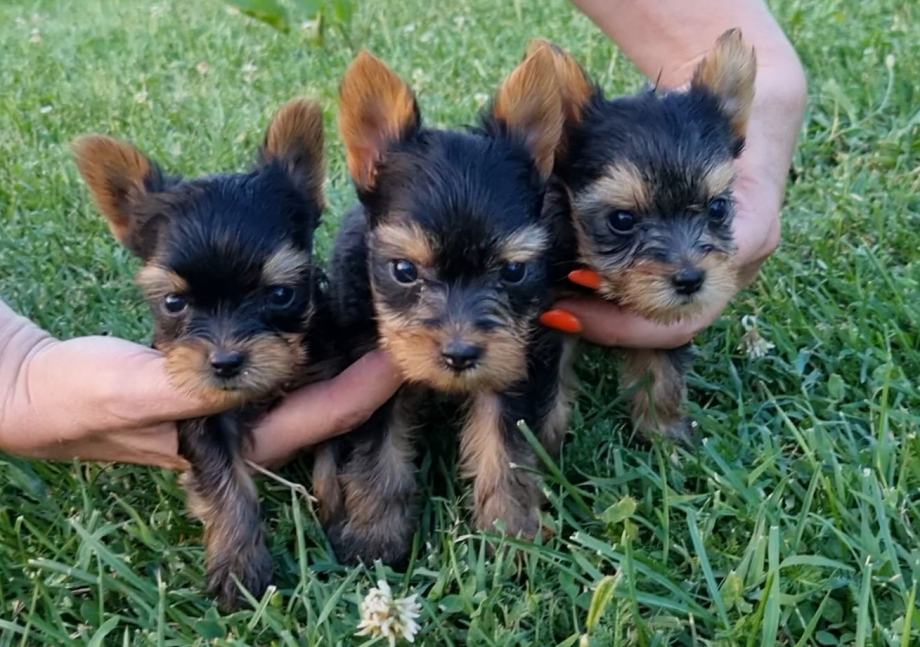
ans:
x=525 y=244
x=408 y=241
x=285 y=266
x=717 y=179
x=157 y=281
x=621 y=185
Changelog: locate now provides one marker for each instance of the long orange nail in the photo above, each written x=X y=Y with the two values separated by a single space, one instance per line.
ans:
x=585 y=278
x=561 y=320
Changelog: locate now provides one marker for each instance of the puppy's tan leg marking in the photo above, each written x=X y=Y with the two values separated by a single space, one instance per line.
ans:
x=378 y=490
x=556 y=424
x=500 y=492
x=658 y=390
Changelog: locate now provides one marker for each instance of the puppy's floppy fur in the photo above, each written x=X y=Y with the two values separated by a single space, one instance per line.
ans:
x=446 y=263
x=648 y=181
x=228 y=272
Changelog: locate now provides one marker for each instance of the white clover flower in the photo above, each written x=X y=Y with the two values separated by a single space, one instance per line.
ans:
x=35 y=36
x=381 y=615
x=249 y=72
x=203 y=68
x=140 y=97
x=753 y=343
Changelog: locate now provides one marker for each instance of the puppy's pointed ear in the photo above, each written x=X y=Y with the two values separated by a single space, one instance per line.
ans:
x=294 y=140
x=376 y=109
x=728 y=72
x=120 y=177
x=575 y=88
x=527 y=107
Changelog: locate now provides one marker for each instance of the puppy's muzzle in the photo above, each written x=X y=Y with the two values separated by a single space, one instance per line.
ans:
x=460 y=356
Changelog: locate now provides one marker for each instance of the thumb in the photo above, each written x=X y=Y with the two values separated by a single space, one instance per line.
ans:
x=320 y=411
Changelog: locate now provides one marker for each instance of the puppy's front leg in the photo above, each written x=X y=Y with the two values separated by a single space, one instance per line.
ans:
x=489 y=445
x=658 y=388
x=368 y=508
x=222 y=494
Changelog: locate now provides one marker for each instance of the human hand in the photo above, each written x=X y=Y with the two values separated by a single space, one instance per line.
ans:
x=94 y=398
x=106 y=399
x=326 y=409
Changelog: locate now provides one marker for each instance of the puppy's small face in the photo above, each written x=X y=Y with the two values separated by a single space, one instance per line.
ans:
x=456 y=294
x=227 y=259
x=649 y=180
x=230 y=286
x=657 y=227
x=457 y=249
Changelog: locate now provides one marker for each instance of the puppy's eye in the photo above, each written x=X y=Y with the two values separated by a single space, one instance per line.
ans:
x=404 y=271
x=280 y=296
x=513 y=272
x=621 y=221
x=718 y=209
x=175 y=304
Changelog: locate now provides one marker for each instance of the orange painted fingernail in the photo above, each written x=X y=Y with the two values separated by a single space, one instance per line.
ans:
x=585 y=278
x=561 y=320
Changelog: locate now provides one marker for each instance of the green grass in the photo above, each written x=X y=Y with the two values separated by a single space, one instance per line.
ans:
x=796 y=521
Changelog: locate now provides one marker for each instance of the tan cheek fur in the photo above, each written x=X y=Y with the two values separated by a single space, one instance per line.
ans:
x=417 y=350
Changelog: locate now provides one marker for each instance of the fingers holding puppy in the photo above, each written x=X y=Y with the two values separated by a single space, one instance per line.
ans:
x=326 y=409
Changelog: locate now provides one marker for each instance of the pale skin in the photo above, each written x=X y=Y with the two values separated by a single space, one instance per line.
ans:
x=666 y=39
x=107 y=399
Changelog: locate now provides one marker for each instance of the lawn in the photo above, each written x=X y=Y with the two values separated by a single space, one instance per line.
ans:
x=796 y=519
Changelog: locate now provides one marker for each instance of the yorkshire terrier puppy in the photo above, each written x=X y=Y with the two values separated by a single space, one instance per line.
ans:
x=648 y=181
x=228 y=273
x=446 y=264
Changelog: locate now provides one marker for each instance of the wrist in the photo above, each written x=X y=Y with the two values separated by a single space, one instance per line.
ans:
x=782 y=84
x=21 y=341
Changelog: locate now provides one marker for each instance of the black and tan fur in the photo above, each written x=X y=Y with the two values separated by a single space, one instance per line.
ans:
x=648 y=181
x=228 y=273
x=458 y=259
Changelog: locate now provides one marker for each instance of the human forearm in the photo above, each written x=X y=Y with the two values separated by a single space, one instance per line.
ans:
x=666 y=38
x=20 y=340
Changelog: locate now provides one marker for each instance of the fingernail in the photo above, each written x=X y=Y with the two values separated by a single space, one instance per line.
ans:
x=585 y=278
x=561 y=320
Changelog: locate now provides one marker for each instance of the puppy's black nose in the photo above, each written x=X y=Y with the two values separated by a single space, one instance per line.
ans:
x=460 y=356
x=227 y=363
x=688 y=281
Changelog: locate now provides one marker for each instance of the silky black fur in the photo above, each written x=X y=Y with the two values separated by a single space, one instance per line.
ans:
x=468 y=191
x=216 y=233
x=235 y=252
x=672 y=139
x=663 y=161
